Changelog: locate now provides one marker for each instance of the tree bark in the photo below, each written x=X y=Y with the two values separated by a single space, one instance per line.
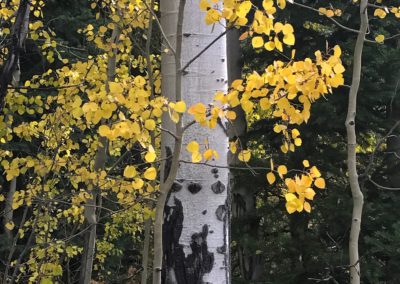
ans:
x=358 y=198
x=99 y=164
x=19 y=32
x=195 y=225
x=145 y=253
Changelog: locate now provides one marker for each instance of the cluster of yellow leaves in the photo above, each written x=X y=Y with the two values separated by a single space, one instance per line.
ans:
x=286 y=90
x=298 y=191
x=265 y=32
x=330 y=12
x=383 y=11
x=66 y=124
x=194 y=148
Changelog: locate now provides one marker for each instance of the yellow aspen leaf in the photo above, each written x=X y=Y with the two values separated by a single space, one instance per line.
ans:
x=307 y=207
x=215 y=154
x=244 y=9
x=244 y=156
x=271 y=164
x=237 y=85
x=174 y=116
x=290 y=197
x=231 y=115
x=271 y=177
x=264 y=104
x=102 y=29
x=204 y=5
x=291 y=207
x=257 y=42
x=269 y=46
x=116 y=87
x=247 y=106
x=338 y=68
x=306 y=163
x=289 y=39
x=137 y=183
x=281 y=4
x=244 y=35
x=267 y=4
x=337 y=51
x=150 y=157
x=380 y=38
x=380 y=13
x=297 y=142
x=278 y=26
x=282 y=170
x=180 y=107
x=196 y=157
x=150 y=124
x=1 y=197
x=330 y=13
x=129 y=172
x=198 y=108
x=315 y=173
x=104 y=130
x=309 y=193
x=287 y=29
x=120 y=195
x=208 y=154
x=295 y=133
x=10 y=225
x=232 y=147
x=284 y=148
x=150 y=174
x=193 y=147
x=278 y=44
x=320 y=183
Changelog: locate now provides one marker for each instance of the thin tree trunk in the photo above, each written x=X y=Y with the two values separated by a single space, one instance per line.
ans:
x=11 y=73
x=358 y=198
x=8 y=210
x=19 y=32
x=145 y=253
x=99 y=163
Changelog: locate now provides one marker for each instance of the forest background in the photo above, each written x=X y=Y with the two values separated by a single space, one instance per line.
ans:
x=268 y=245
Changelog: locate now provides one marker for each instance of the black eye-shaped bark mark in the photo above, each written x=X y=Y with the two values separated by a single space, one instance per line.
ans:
x=204 y=212
x=218 y=187
x=214 y=171
x=176 y=187
x=221 y=249
x=200 y=261
x=221 y=212
x=194 y=187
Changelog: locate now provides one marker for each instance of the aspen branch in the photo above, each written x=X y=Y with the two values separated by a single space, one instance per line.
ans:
x=331 y=19
x=204 y=50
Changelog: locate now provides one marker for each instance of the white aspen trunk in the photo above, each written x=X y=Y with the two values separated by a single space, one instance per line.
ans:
x=358 y=198
x=195 y=229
